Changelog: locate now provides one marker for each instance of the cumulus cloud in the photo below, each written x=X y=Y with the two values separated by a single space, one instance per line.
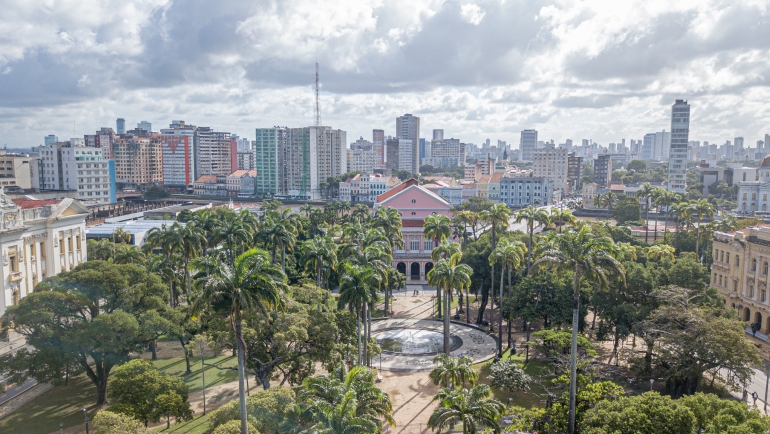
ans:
x=569 y=68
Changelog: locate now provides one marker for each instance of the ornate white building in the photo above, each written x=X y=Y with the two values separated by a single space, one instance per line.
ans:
x=38 y=239
x=753 y=195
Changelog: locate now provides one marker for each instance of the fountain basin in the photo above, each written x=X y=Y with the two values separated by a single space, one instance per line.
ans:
x=414 y=341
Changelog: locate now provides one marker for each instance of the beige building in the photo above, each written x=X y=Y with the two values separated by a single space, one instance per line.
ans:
x=552 y=163
x=15 y=170
x=740 y=272
x=38 y=239
x=214 y=153
x=590 y=191
x=138 y=158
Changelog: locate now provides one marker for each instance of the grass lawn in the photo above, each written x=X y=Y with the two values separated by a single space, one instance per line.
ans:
x=60 y=404
x=199 y=425
x=176 y=366
x=536 y=369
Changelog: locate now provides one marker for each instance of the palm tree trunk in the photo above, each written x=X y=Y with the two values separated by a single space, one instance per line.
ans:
x=573 y=353
x=438 y=290
x=358 y=327
x=283 y=257
x=665 y=228
x=447 y=308
x=500 y=320
x=467 y=305
x=366 y=342
x=655 y=238
x=529 y=250
x=697 y=240
x=241 y=361
x=647 y=222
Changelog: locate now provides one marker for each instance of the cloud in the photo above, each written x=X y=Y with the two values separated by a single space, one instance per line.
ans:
x=569 y=68
x=472 y=13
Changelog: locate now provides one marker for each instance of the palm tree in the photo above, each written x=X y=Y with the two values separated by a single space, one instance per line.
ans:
x=358 y=288
x=361 y=212
x=726 y=223
x=121 y=236
x=453 y=372
x=700 y=208
x=533 y=216
x=606 y=200
x=437 y=227
x=667 y=199
x=353 y=394
x=646 y=192
x=473 y=408
x=102 y=249
x=396 y=280
x=317 y=252
x=306 y=208
x=450 y=274
x=658 y=196
x=278 y=231
x=588 y=257
x=127 y=254
x=169 y=242
x=389 y=220
x=509 y=254
x=191 y=242
x=562 y=217
x=251 y=283
x=464 y=219
x=660 y=252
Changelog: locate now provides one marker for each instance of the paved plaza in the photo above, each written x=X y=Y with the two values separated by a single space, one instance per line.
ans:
x=412 y=344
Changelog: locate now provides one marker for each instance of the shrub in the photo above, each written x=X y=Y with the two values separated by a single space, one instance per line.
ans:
x=265 y=410
x=107 y=422
x=233 y=427
x=507 y=375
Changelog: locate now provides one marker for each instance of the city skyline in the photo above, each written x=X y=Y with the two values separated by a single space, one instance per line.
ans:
x=570 y=70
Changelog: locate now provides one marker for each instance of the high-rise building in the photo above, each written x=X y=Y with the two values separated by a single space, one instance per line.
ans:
x=214 y=152
x=446 y=153
x=662 y=145
x=246 y=159
x=295 y=161
x=138 y=157
x=72 y=166
x=603 y=170
x=738 y=143
x=378 y=142
x=574 y=171
x=103 y=139
x=767 y=143
x=438 y=134
x=120 y=126
x=144 y=125
x=552 y=163
x=527 y=144
x=423 y=153
x=680 y=133
x=400 y=154
x=178 y=143
x=363 y=160
x=408 y=128
x=16 y=169
x=648 y=147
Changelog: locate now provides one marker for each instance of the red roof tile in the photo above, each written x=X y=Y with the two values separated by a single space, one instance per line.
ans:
x=29 y=203
x=398 y=188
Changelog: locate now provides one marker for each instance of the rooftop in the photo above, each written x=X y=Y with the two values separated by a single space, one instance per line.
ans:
x=30 y=203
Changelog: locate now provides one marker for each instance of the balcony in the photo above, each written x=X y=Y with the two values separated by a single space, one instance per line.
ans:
x=15 y=277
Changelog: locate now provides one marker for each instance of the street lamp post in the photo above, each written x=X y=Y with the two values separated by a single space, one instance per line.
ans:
x=767 y=381
x=652 y=380
x=85 y=413
x=61 y=427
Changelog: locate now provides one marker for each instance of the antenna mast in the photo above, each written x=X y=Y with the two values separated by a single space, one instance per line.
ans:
x=317 y=100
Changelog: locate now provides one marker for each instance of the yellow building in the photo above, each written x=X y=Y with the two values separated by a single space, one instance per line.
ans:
x=740 y=272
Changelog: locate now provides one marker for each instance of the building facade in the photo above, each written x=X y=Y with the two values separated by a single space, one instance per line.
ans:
x=214 y=152
x=103 y=139
x=246 y=160
x=753 y=195
x=16 y=170
x=527 y=144
x=446 y=152
x=38 y=239
x=574 y=172
x=552 y=163
x=178 y=145
x=519 y=192
x=363 y=160
x=408 y=128
x=680 y=136
x=603 y=170
x=64 y=166
x=138 y=158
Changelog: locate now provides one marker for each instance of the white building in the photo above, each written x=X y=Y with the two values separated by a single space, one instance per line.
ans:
x=379 y=184
x=552 y=163
x=38 y=239
x=16 y=170
x=214 y=152
x=753 y=195
x=677 y=160
x=363 y=159
x=178 y=144
x=446 y=153
x=64 y=166
x=521 y=192
x=241 y=182
x=246 y=159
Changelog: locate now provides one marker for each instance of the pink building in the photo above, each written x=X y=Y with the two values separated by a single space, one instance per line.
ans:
x=415 y=203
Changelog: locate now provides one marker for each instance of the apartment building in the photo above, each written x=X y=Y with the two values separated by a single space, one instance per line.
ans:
x=446 y=153
x=603 y=170
x=16 y=170
x=214 y=152
x=364 y=159
x=72 y=166
x=519 y=192
x=38 y=239
x=552 y=163
x=574 y=172
x=138 y=157
x=246 y=160
x=103 y=139
x=178 y=145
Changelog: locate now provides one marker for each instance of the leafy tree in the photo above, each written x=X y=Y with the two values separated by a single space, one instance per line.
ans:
x=140 y=390
x=699 y=209
x=253 y=283
x=637 y=166
x=693 y=338
x=156 y=192
x=590 y=258
x=473 y=408
x=508 y=375
x=555 y=343
x=109 y=422
x=543 y=295
x=534 y=217
x=102 y=249
x=266 y=409
x=234 y=427
x=84 y=320
x=627 y=210
x=453 y=371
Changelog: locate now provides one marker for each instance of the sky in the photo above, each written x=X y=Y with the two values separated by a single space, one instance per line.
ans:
x=603 y=70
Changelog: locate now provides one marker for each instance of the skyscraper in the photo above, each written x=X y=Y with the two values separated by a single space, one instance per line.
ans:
x=178 y=145
x=120 y=125
x=438 y=134
x=144 y=125
x=527 y=144
x=408 y=128
x=680 y=133
x=738 y=143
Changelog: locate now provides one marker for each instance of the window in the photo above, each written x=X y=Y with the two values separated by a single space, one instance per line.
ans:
x=735 y=286
x=13 y=264
x=720 y=280
x=727 y=258
x=764 y=269
x=77 y=242
x=737 y=261
x=414 y=201
x=751 y=291
x=763 y=295
x=42 y=250
x=754 y=265
x=414 y=245
x=61 y=245
x=722 y=256
x=428 y=245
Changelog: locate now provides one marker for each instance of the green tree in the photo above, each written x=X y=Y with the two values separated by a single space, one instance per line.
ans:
x=473 y=408
x=646 y=193
x=126 y=254
x=84 y=320
x=453 y=372
x=358 y=288
x=437 y=227
x=449 y=274
x=102 y=249
x=233 y=427
x=534 y=217
x=509 y=254
x=109 y=422
x=266 y=410
x=252 y=283
x=138 y=389
x=700 y=208
x=636 y=166
x=589 y=258
x=508 y=375
x=626 y=210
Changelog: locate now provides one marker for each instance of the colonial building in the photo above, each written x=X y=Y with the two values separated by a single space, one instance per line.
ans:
x=38 y=239
x=740 y=272
x=415 y=203
x=753 y=195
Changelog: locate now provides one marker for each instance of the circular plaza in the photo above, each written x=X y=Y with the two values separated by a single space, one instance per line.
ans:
x=412 y=344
